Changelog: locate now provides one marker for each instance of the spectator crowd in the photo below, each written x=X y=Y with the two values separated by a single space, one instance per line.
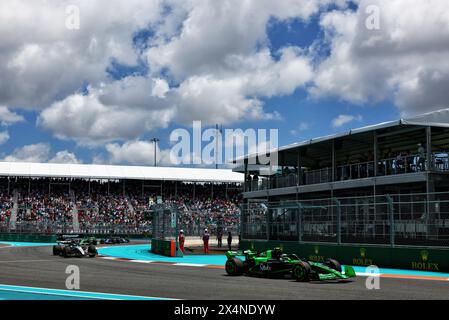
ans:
x=113 y=205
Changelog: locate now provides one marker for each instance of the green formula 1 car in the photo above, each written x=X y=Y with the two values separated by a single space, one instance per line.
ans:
x=275 y=263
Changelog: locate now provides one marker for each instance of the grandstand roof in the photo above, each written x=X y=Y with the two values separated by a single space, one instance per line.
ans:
x=438 y=118
x=82 y=171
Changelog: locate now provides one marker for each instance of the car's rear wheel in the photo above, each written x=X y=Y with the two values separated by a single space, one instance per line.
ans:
x=65 y=252
x=92 y=251
x=333 y=264
x=234 y=267
x=57 y=250
x=301 y=271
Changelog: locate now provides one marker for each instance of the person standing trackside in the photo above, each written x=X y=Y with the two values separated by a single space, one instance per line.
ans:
x=206 y=237
x=230 y=241
x=220 y=238
x=181 y=240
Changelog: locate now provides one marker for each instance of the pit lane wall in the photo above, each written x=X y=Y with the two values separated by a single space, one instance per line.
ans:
x=413 y=258
x=18 y=237
x=169 y=248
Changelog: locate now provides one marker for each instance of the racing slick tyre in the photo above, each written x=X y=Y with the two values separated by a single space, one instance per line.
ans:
x=92 y=251
x=65 y=252
x=333 y=264
x=301 y=271
x=234 y=267
x=57 y=249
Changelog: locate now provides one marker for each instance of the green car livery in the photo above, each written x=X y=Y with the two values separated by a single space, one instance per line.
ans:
x=275 y=263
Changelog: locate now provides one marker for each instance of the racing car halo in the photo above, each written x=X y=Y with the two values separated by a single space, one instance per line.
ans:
x=275 y=263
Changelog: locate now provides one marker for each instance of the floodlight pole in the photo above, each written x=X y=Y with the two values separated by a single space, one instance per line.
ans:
x=155 y=141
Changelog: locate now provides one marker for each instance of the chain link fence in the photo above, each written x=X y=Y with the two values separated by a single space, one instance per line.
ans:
x=197 y=229
x=411 y=219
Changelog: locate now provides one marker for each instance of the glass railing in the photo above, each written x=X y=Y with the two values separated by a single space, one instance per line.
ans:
x=353 y=171
x=401 y=165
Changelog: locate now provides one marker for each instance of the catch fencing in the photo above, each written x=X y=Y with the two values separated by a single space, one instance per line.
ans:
x=405 y=219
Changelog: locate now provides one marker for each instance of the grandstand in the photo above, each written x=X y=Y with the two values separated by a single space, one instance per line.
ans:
x=99 y=199
x=384 y=186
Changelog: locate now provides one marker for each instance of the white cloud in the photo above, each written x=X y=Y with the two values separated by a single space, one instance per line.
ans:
x=405 y=61
x=343 y=119
x=211 y=61
x=40 y=153
x=126 y=109
x=8 y=117
x=135 y=152
x=303 y=126
x=65 y=157
x=4 y=137
x=234 y=95
x=121 y=110
x=30 y=153
x=211 y=31
x=41 y=60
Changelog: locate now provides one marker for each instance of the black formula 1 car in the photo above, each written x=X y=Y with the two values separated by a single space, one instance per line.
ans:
x=74 y=248
x=114 y=240
x=275 y=263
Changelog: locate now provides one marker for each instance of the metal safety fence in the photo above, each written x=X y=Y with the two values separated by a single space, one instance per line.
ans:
x=406 y=219
x=45 y=227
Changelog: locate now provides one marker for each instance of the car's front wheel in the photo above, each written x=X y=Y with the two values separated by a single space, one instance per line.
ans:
x=234 y=267
x=92 y=251
x=333 y=264
x=57 y=250
x=301 y=271
x=65 y=252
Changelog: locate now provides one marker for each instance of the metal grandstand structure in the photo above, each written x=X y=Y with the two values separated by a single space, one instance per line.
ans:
x=385 y=184
x=48 y=178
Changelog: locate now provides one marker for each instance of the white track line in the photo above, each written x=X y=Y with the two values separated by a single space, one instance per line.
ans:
x=141 y=261
x=76 y=294
x=108 y=258
x=190 y=264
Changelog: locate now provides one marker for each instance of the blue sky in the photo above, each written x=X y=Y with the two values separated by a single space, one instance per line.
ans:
x=159 y=66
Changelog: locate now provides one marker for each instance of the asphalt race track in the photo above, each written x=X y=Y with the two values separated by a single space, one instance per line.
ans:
x=37 y=267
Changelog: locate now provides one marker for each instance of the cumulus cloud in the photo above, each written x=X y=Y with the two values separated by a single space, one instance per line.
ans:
x=8 y=117
x=40 y=153
x=41 y=60
x=211 y=31
x=303 y=126
x=30 y=153
x=126 y=109
x=404 y=60
x=135 y=152
x=235 y=95
x=4 y=137
x=65 y=157
x=343 y=119
x=218 y=74
x=108 y=113
x=210 y=60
